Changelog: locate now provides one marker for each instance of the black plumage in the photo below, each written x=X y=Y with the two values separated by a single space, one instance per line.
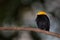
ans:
x=43 y=22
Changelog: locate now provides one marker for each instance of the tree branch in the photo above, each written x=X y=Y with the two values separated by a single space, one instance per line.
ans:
x=31 y=29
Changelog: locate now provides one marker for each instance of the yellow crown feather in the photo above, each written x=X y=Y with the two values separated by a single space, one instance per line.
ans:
x=41 y=13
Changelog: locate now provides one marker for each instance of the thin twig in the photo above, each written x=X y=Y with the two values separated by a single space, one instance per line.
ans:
x=31 y=29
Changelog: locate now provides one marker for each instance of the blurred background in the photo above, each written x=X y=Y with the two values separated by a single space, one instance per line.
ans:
x=23 y=13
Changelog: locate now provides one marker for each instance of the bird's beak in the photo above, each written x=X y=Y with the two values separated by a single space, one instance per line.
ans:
x=41 y=13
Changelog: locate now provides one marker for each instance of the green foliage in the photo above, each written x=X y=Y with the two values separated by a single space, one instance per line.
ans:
x=35 y=36
x=9 y=11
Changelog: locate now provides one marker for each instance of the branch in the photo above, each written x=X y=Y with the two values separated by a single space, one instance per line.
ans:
x=31 y=29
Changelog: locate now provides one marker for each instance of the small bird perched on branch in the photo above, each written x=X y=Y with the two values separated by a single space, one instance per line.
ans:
x=42 y=21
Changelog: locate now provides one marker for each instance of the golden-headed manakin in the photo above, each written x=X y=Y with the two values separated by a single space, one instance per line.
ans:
x=42 y=21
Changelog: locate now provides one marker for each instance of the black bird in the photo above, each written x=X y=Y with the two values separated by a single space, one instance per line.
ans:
x=43 y=21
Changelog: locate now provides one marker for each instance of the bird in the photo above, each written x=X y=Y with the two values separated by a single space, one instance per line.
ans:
x=42 y=21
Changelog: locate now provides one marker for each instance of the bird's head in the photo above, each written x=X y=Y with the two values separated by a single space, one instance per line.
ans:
x=41 y=13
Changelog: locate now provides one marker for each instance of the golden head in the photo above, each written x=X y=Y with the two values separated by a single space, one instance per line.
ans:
x=41 y=13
